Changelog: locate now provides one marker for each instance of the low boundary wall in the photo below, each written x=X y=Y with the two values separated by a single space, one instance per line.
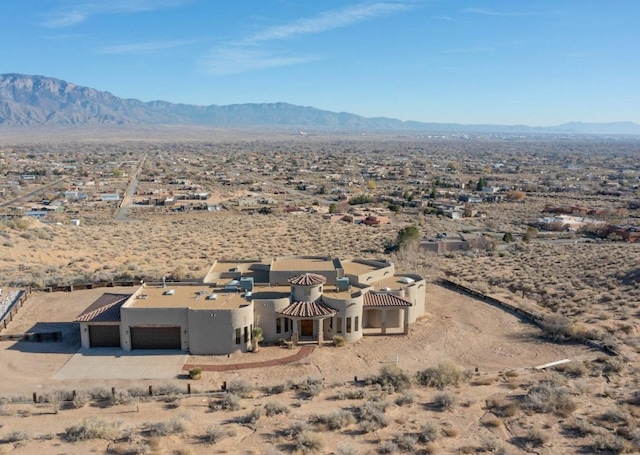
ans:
x=519 y=312
x=9 y=307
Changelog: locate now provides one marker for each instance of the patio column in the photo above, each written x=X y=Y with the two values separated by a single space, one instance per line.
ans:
x=295 y=337
x=320 y=331
x=406 y=321
x=383 y=322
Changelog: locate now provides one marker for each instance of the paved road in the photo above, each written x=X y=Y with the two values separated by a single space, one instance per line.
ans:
x=127 y=200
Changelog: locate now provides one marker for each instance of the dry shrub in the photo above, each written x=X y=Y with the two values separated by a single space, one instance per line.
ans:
x=492 y=422
x=273 y=408
x=445 y=374
x=392 y=379
x=335 y=420
x=429 y=432
x=444 y=401
x=93 y=428
x=549 y=397
x=175 y=425
x=308 y=442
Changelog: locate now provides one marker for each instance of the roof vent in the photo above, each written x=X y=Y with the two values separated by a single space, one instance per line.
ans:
x=169 y=292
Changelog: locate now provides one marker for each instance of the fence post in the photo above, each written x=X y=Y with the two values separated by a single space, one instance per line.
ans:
x=150 y=390
x=188 y=389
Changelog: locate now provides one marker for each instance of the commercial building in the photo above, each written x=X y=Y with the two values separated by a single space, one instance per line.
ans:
x=297 y=298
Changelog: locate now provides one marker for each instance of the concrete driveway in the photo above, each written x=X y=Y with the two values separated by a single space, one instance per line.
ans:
x=114 y=363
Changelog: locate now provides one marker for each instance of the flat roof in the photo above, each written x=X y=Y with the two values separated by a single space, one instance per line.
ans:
x=392 y=282
x=303 y=265
x=195 y=297
x=226 y=266
x=189 y=297
x=358 y=268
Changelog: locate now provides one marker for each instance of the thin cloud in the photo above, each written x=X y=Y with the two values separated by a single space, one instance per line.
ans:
x=329 y=20
x=233 y=60
x=248 y=54
x=66 y=17
x=143 y=48
x=488 y=12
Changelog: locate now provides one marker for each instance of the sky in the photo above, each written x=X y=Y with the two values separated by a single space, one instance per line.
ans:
x=537 y=63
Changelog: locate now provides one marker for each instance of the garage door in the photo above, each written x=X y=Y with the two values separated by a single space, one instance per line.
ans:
x=104 y=336
x=155 y=338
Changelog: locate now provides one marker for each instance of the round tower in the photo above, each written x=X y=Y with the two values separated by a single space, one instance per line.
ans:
x=307 y=287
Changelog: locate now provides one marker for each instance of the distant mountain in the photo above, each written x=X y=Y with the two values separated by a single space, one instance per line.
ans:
x=30 y=101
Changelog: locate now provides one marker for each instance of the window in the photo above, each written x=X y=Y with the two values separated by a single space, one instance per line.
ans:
x=339 y=325
x=278 y=325
x=331 y=323
x=238 y=334
x=355 y=328
x=286 y=324
x=246 y=334
x=348 y=325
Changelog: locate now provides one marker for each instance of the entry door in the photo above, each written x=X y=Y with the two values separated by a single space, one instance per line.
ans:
x=306 y=328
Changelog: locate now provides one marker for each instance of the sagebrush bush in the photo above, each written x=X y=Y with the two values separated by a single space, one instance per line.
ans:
x=392 y=379
x=442 y=376
x=549 y=397
x=335 y=420
x=93 y=428
x=308 y=442
x=275 y=407
x=213 y=434
x=175 y=425
x=429 y=432
x=444 y=401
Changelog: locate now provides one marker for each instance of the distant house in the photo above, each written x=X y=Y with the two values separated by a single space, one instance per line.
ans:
x=108 y=197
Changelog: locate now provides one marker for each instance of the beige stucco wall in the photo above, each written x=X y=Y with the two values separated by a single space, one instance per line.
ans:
x=265 y=317
x=213 y=331
x=385 y=270
x=306 y=293
x=415 y=293
x=346 y=308
x=150 y=317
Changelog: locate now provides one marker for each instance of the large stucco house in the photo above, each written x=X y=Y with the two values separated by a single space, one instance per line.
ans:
x=298 y=298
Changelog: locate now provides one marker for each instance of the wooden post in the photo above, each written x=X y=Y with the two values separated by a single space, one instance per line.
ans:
x=35 y=397
x=113 y=391
x=150 y=390
x=74 y=394
x=224 y=385
x=188 y=389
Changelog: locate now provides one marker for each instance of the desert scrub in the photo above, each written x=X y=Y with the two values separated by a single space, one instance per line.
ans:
x=335 y=420
x=275 y=407
x=93 y=428
x=228 y=402
x=310 y=387
x=241 y=387
x=550 y=397
x=371 y=416
x=308 y=442
x=213 y=434
x=392 y=379
x=444 y=401
x=175 y=425
x=407 y=397
x=429 y=432
x=442 y=376
x=338 y=340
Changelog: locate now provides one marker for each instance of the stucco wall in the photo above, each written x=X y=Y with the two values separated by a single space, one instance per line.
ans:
x=214 y=331
x=265 y=317
x=346 y=308
x=149 y=317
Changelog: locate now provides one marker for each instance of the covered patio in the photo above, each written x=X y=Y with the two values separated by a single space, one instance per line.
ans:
x=308 y=320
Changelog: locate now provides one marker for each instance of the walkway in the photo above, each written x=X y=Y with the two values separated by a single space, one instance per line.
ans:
x=304 y=352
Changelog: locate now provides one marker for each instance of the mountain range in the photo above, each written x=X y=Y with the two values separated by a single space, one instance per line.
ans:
x=32 y=101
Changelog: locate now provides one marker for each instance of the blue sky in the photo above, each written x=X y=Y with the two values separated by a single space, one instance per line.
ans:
x=540 y=62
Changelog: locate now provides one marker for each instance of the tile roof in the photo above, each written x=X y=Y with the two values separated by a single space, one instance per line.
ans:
x=308 y=279
x=384 y=299
x=308 y=309
x=105 y=309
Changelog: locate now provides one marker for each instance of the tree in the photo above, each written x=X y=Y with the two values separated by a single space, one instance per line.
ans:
x=406 y=235
x=508 y=237
x=333 y=208
x=371 y=185
x=256 y=338
x=531 y=234
x=482 y=182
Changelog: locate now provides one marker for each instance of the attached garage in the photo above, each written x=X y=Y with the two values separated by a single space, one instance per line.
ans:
x=104 y=336
x=155 y=338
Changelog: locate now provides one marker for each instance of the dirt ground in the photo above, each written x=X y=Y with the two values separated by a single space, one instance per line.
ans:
x=456 y=329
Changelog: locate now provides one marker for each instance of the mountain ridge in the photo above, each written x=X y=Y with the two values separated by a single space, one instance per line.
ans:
x=40 y=101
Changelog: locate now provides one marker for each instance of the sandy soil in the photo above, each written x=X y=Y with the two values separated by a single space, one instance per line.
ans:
x=456 y=328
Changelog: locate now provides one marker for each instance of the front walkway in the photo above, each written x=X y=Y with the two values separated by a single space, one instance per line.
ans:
x=302 y=353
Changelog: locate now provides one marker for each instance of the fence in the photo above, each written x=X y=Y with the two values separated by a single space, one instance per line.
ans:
x=10 y=305
x=532 y=318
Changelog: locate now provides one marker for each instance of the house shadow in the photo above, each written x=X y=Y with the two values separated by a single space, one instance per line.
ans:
x=50 y=337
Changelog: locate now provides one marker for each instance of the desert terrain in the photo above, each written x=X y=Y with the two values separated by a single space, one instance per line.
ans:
x=463 y=380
